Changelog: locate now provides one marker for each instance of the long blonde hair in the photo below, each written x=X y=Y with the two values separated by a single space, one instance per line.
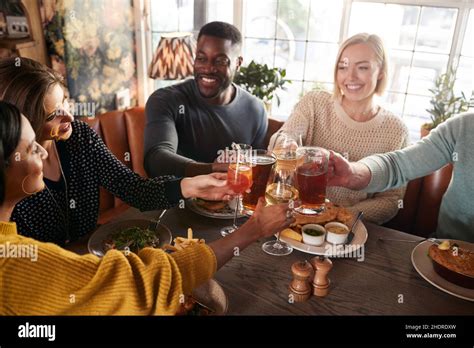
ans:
x=375 y=42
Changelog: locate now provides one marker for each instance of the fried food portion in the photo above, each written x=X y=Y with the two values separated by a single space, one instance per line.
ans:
x=332 y=213
x=181 y=243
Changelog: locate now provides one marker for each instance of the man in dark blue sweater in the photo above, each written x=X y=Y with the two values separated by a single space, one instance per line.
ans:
x=189 y=124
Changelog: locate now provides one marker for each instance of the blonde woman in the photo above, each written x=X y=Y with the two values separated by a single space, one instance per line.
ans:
x=350 y=122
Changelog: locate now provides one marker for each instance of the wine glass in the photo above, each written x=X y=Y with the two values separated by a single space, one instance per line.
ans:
x=280 y=189
x=239 y=178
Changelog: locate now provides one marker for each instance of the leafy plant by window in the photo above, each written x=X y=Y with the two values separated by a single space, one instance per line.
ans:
x=444 y=103
x=262 y=81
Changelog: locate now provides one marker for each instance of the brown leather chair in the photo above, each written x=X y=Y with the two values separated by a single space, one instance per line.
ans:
x=406 y=216
x=122 y=132
x=432 y=192
x=421 y=204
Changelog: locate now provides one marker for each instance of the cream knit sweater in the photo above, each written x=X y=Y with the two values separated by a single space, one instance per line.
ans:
x=323 y=122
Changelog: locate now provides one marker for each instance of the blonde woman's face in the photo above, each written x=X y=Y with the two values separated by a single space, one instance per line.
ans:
x=358 y=72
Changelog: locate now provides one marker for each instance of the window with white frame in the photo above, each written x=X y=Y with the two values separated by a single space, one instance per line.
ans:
x=422 y=38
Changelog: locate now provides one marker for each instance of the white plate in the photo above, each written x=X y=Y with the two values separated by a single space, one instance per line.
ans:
x=225 y=213
x=95 y=244
x=423 y=265
x=330 y=250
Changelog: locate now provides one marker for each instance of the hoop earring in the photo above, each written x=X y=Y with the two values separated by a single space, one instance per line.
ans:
x=23 y=187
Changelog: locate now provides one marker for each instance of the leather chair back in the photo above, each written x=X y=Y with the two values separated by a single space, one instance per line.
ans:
x=122 y=132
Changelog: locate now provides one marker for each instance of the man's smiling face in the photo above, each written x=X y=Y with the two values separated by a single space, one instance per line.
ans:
x=215 y=66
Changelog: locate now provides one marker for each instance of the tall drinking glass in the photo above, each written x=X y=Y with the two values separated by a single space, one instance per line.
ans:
x=262 y=162
x=311 y=179
x=239 y=178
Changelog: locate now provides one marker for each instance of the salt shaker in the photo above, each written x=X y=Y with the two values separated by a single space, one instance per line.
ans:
x=300 y=286
x=321 y=282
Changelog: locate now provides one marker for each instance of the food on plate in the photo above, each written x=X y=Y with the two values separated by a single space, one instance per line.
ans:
x=181 y=243
x=313 y=234
x=331 y=213
x=133 y=238
x=337 y=229
x=336 y=232
x=214 y=206
x=193 y=307
x=290 y=233
x=455 y=264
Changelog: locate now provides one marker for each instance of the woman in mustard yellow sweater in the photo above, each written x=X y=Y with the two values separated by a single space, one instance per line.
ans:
x=44 y=279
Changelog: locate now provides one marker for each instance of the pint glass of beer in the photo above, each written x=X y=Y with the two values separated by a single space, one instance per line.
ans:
x=262 y=162
x=311 y=179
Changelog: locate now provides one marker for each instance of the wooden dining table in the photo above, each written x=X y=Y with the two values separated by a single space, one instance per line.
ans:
x=384 y=283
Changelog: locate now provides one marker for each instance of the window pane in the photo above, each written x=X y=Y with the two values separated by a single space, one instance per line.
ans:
x=164 y=20
x=400 y=33
x=399 y=70
x=465 y=77
x=426 y=68
x=220 y=10
x=415 y=114
x=393 y=102
x=325 y=20
x=288 y=99
x=290 y=55
x=260 y=18
x=260 y=50
x=468 y=46
x=320 y=60
x=292 y=19
x=435 y=33
x=395 y=24
x=173 y=18
x=361 y=12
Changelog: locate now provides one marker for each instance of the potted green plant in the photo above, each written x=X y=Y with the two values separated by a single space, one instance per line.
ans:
x=262 y=82
x=444 y=103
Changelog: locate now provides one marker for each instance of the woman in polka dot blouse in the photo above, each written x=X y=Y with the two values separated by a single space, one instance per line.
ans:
x=79 y=163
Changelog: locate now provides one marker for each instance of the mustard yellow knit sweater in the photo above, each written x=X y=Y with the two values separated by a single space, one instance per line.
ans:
x=54 y=281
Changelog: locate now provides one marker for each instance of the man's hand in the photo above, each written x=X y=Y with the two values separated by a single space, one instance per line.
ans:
x=212 y=187
x=341 y=172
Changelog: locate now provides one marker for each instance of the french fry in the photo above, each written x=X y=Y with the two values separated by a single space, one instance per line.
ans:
x=190 y=233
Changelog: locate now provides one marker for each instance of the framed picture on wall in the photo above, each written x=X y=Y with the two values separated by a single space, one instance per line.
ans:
x=17 y=26
x=3 y=24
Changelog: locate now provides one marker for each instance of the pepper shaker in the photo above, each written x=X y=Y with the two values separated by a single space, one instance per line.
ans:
x=300 y=286
x=321 y=282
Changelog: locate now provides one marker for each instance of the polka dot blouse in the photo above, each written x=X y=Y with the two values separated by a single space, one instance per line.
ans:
x=88 y=164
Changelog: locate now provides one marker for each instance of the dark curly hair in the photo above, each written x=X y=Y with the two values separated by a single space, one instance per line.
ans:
x=222 y=30
x=10 y=132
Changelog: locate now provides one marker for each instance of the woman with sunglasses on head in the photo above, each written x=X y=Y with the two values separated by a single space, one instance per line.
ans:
x=46 y=279
x=79 y=163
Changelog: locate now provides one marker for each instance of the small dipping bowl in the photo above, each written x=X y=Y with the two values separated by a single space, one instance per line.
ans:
x=336 y=232
x=313 y=234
